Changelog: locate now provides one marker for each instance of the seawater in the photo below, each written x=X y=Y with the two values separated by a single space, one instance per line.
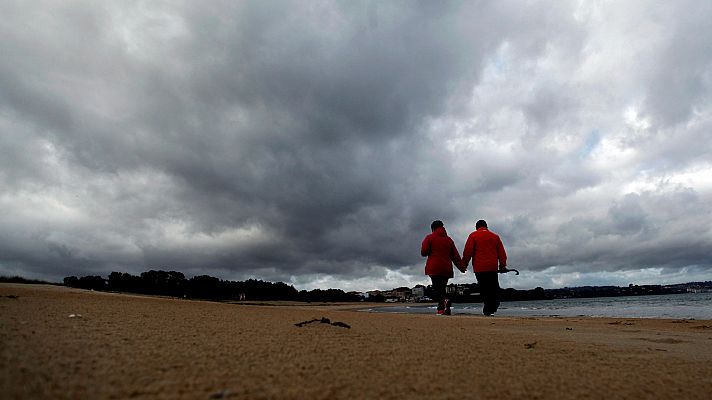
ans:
x=676 y=306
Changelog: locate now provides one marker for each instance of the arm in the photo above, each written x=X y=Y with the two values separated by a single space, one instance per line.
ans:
x=468 y=252
x=502 y=255
x=455 y=257
x=425 y=247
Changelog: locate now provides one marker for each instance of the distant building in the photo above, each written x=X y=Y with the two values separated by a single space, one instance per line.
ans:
x=398 y=294
x=459 y=289
x=358 y=294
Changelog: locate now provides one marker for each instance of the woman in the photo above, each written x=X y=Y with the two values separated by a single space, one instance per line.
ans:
x=441 y=253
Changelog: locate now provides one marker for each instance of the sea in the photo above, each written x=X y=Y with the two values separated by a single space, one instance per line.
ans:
x=674 y=306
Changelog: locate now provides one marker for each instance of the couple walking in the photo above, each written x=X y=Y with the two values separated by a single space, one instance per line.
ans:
x=486 y=250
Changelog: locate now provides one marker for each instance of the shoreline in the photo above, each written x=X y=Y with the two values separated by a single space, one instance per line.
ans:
x=134 y=346
x=552 y=309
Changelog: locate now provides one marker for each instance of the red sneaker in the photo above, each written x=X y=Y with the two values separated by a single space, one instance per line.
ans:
x=440 y=312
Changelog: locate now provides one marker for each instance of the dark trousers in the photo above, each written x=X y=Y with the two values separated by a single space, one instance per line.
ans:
x=439 y=284
x=488 y=283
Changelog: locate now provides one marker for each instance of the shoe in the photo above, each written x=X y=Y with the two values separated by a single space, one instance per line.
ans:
x=440 y=312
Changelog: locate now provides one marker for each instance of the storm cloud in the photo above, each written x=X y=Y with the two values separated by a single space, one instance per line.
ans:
x=313 y=143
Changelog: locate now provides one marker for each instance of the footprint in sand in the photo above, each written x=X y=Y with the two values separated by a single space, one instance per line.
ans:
x=702 y=327
x=663 y=340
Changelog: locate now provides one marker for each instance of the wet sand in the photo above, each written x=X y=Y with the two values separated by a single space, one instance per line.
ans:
x=129 y=346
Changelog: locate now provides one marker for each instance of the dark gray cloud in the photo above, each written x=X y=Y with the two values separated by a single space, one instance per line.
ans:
x=315 y=143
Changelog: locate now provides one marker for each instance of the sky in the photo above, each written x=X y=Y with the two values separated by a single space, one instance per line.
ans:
x=314 y=142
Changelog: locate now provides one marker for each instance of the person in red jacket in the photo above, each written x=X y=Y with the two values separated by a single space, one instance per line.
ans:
x=486 y=250
x=442 y=253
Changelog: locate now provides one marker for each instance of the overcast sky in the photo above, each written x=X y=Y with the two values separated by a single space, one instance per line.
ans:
x=313 y=142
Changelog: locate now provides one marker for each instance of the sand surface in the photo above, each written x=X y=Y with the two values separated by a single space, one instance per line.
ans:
x=128 y=346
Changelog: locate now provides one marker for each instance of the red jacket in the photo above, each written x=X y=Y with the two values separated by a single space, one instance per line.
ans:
x=441 y=253
x=486 y=251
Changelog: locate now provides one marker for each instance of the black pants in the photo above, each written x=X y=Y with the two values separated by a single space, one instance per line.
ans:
x=488 y=283
x=439 y=284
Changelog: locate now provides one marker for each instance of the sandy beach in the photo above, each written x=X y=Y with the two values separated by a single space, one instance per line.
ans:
x=60 y=343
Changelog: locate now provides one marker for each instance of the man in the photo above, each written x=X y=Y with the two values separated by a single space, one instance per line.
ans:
x=486 y=250
x=442 y=253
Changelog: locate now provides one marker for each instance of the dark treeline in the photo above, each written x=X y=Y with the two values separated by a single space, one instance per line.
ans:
x=19 y=279
x=173 y=283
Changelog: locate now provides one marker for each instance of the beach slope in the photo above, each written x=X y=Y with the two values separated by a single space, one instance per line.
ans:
x=57 y=342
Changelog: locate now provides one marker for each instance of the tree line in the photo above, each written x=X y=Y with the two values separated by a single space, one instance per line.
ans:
x=174 y=283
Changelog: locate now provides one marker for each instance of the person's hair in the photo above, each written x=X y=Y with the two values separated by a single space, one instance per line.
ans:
x=436 y=224
x=481 y=223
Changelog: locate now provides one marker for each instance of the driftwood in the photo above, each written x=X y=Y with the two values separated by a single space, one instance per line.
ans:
x=323 y=320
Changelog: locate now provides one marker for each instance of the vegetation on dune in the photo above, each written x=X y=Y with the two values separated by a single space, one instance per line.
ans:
x=173 y=283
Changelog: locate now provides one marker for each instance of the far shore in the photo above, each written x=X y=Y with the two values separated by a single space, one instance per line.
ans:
x=57 y=342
